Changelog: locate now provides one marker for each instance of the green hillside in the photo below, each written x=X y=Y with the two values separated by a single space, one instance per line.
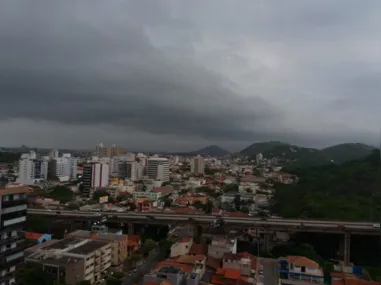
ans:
x=349 y=191
x=261 y=147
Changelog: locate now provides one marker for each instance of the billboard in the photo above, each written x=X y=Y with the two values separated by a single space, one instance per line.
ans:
x=103 y=199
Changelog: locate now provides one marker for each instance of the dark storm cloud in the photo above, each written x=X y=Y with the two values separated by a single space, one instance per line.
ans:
x=67 y=71
x=232 y=71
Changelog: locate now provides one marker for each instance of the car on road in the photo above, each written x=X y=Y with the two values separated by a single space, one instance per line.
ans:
x=58 y=212
x=377 y=226
x=341 y=226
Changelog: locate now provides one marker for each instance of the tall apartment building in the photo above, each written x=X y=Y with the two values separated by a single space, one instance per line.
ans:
x=119 y=243
x=132 y=170
x=71 y=260
x=54 y=153
x=95 y=175
x=158 y=168
x=197 y=165
x=13 y=205
x=102 y=151
x=31 y=168
x=116 y=161
x=65 y=166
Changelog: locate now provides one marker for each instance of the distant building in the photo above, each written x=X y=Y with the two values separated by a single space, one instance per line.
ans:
x=102 y=151
x=95 y=174
x=158 y=168
x=197 y=165
x=221 y=245
x=131 y=170
x=258 y=157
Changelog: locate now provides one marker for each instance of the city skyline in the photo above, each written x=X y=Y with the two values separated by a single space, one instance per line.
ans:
x=164 y=76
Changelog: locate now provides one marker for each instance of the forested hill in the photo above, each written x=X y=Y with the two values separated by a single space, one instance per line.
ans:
x=349 y=191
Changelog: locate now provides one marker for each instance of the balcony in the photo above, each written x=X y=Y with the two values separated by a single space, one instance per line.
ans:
x=12 y=222
x=12 y=203
x=11 y=239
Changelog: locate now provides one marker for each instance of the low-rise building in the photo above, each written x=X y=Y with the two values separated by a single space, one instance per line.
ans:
x=301 y=268
x=221 y=245
x=71 y=260
x=243 y=261
x=119 y=252
x=181 y=247
x=133 y=244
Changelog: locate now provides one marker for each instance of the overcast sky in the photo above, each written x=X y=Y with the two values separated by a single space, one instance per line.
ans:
x=179 y=75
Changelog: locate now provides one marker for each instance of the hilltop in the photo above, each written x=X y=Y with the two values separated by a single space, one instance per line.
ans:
x=212 y=150
x=298 y=156
x=261 y=147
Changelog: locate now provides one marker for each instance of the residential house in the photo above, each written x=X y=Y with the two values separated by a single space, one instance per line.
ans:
x=243 y=261
x=183 y=269
x=181 y=247
x=225 y=276
x=221 y=245
x=301 y=268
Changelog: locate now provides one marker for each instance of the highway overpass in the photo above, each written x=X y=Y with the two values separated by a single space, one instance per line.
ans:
x=275 y=224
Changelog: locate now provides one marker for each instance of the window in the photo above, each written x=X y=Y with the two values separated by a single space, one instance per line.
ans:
x=303 y=269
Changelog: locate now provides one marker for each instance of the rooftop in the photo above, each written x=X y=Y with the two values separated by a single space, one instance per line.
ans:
x=88 y=247
x=302 y=261
x=101 y=236
x=15 y=190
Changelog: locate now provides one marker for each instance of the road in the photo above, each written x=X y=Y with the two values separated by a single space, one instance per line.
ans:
x=313 y=225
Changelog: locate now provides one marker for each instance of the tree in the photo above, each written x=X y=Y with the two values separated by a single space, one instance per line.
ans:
x=73 y=206
x=121 y=198
x=33 y=276
x=245 y=209
x=118 y=274
x=148 y=245
x=198 y=205
x=131 y=206
x=231 y=188
x=100 y=193
x=62 y=194
x=208 y=207
x=110 y=280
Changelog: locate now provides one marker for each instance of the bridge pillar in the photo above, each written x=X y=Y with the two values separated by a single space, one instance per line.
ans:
x=130 y=229
x=266 y=238
x=347 y=248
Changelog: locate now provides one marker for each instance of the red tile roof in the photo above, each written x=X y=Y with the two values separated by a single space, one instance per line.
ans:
x=213 y=262
x=164 y=190
x=33 y=236
x=185 y=240
x=198 y=249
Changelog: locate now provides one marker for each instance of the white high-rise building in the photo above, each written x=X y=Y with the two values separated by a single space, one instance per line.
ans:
x=258 y=157
x=158 y=168
x=197 y=165
x=65 y=166
x=26 y=170
x=54 y=154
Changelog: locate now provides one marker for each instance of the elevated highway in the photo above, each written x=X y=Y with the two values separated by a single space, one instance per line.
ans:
x=276 y=224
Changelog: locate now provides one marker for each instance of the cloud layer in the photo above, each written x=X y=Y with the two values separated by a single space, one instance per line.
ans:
x=174 y=75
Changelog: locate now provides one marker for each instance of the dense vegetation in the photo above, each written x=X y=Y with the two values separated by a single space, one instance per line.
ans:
x=350 y=191
x=9 y=157
x=261 y=147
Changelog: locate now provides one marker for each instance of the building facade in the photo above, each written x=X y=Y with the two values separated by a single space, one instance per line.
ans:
x=13 y=206
x=71 y=260
x=197 y=165
x=95 y=175
x=158 y=168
